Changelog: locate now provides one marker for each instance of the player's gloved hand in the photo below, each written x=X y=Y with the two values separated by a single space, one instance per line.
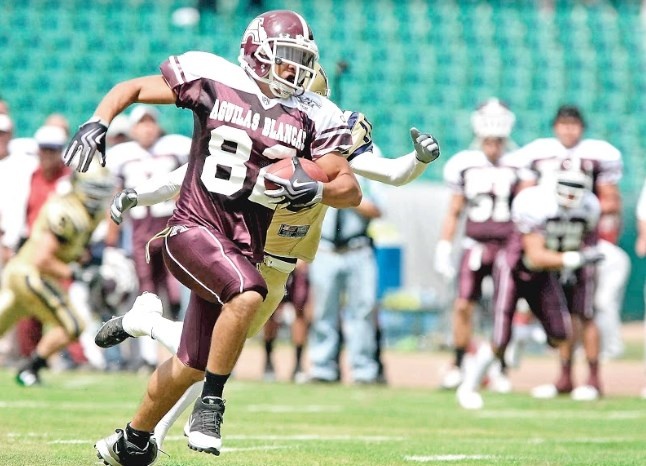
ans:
x=592 y=256
x=575 y=259
x=122 y=202
x=426 y=146
x=443 y=262
x=299 y=192
x=89 y=139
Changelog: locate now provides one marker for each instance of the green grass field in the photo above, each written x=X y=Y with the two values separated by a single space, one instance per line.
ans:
x=300 y=425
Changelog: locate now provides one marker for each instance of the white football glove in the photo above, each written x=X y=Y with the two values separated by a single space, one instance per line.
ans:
x=443 y=262
x=573 y=259
x=122 y=202
x=426 y=146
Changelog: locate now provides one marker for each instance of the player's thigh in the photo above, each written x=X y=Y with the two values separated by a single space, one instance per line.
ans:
x=45 y=300
x=470 y=278
x=211 y=265
x=545 y=297
x=276 y=281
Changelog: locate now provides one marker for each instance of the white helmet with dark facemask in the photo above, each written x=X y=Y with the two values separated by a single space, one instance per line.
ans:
x=492 y=119
x=571 y=184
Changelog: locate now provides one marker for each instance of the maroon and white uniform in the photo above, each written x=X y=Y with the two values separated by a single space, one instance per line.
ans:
x=133 y=164
x=220 y=222
x=488 y=190
x=551 y=295
x=542 y=158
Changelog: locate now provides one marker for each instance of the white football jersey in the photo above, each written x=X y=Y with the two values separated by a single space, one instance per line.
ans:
x=536 y=210
x=541 y=158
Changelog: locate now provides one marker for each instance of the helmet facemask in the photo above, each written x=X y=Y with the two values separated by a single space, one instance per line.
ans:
x=570 y=188
x=300 y=54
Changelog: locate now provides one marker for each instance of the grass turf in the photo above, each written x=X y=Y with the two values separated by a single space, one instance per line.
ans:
x=300 y=425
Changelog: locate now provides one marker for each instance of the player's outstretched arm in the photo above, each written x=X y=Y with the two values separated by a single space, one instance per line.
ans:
x=90 y=137
x=152 y=191
x=400 y=170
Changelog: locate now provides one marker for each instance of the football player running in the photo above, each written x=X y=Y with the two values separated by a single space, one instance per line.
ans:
x=602 y=162
x=36 y=279
x=247 y=116
x=484 y=180
x=548 y=262
x=291 y=236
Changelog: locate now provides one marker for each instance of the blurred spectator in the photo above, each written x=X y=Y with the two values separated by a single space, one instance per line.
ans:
x=60 y=120
x=119 y=131
x=343 y=279
x=45 y=180
x=640 y=247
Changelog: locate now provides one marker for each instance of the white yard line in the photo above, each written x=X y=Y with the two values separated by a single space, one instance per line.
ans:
x=270 y=408
x=561 y=414
x=448 y=458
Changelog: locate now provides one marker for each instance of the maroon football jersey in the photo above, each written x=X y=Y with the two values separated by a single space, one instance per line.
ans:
x=237 y=132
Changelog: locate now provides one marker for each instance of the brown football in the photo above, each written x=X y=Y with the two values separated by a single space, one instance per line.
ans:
x=284 y=169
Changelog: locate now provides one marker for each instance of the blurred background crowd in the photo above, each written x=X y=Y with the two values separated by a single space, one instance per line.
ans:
x=424 y=63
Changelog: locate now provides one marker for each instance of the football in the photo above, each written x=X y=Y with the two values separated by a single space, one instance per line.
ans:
x=284 y=169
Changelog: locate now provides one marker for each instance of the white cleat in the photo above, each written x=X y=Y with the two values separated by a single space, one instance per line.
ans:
x=138 y=321
x=585 y=393
x=545 y=392
x=452 y=378
x=499 y=383
x=469 y=399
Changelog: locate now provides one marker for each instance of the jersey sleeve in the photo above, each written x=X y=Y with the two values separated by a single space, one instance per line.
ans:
x=184 y=73
x=454 y=174
x=361 y=130
x=610 y=165
x=525 y=212
x=331 y=130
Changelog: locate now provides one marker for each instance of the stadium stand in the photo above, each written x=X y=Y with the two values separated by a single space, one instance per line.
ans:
x=417 y=62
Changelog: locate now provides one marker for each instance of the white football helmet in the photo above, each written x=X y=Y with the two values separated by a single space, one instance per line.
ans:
x=492 y=119
x=279 y=37
x=571 y=185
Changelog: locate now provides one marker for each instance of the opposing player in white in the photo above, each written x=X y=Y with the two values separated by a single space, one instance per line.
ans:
x=546 y=263
x=483 y=180
x=603 y=162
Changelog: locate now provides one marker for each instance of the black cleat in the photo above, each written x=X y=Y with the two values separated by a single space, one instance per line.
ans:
x=111 y=333
x=116 y=450
x=205 y=422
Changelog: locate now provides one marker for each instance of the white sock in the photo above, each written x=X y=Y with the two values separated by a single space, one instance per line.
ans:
x=187 y=399
x=167 y=332
x=475 y=372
